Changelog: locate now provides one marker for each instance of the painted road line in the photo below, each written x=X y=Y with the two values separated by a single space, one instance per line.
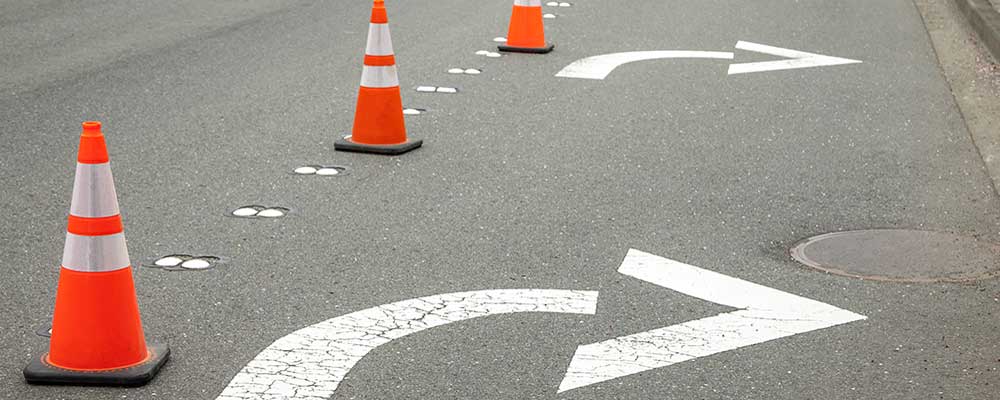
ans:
x=600 y=66
x=797 y=59
x=487 y=53
x=311 y=362
x=436 y=89
x=762 y=314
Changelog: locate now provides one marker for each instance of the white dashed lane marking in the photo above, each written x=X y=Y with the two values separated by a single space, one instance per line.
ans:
x=256 y=211
x=490 y=54
x=436 y=89
x=176 y=262
x=466 y=71
x=321 y=170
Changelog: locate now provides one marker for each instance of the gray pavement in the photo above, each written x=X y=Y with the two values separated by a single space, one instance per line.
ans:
x=525 y=181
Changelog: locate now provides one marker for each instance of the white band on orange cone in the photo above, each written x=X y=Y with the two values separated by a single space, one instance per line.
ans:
x=94 y=192
x=95 y=253
x=528 y=3
x=379 y=77
x=379 y=40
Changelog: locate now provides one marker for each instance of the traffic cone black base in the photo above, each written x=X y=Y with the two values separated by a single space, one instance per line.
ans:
x=345 y=144
x=533 y=50
x=40 y=372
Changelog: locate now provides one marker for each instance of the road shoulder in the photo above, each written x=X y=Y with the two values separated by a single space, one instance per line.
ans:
x=972 y=73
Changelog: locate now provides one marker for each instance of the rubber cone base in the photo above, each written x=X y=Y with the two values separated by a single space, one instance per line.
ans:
x=40 y=372
x=535 y=50
x=345 y=144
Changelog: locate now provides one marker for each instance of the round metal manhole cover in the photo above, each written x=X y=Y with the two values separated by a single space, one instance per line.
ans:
x=900 y=255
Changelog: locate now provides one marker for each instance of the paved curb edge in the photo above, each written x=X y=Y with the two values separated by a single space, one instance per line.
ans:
x=985 y=20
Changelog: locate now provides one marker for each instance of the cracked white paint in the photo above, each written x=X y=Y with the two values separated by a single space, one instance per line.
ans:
x=763 y=314
x=311 y=362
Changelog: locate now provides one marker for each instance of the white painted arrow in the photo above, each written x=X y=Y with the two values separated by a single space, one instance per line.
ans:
x=599 y=67
x=310 y=363
x=763 y=314
x=797 y=59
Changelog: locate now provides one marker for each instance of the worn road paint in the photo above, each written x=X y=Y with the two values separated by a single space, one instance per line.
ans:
x=598 y=67
x=762 y=314
x=310 y=363
x=176 y=262
x=466 y=71
x=797 y=59
x=490 y=54
x=436 y=89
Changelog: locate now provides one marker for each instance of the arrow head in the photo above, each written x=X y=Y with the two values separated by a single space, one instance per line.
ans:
x=762 y=314
x=796 y=59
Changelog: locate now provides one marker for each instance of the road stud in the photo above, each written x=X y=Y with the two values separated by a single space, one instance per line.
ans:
x=378 y=117
x=526 y=33
x=97 y=336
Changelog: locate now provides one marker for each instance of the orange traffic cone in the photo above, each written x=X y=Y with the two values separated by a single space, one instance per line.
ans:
x=378 y=118
x=527 y=31
x=97 y=336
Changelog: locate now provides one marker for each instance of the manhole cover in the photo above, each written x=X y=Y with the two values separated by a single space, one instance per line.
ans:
x=900 y=255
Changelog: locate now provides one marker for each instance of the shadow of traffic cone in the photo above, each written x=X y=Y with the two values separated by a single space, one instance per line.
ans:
x=526 y=33
x=97 y=336
x=378 y=117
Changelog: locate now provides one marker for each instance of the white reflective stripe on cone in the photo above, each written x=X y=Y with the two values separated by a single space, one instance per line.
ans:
x=528 y=3
x=95 y=253
x=93 y=192
x=379 y=77
x=379 y=40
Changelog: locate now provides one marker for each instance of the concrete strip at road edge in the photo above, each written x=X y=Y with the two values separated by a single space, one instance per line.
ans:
x=985 y=20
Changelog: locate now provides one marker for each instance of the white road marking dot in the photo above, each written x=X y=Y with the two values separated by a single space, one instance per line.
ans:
x=447 y=90
x=307 y=170
x=245 y=212
x=327 y=171
x=500 y=39
x=552 y=3
x=564 y=4
x=426 y=89
x=271 y=213
x=456 y=71
x=493 y=55
x=168 y=262
x=549 y=16
x=196 y=263
x=311 y=362
x=411 y=111
x=482 y=53
x=472 y=71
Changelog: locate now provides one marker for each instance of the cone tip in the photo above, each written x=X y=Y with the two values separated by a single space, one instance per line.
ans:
x=92 y=147
x=92 y=128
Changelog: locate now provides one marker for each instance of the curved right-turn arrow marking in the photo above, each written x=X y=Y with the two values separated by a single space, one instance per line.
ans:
x=310 y=363
x=762 y=314
x=598 y=67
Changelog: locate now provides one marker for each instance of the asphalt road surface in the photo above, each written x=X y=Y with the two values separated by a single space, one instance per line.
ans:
x=525 y=181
